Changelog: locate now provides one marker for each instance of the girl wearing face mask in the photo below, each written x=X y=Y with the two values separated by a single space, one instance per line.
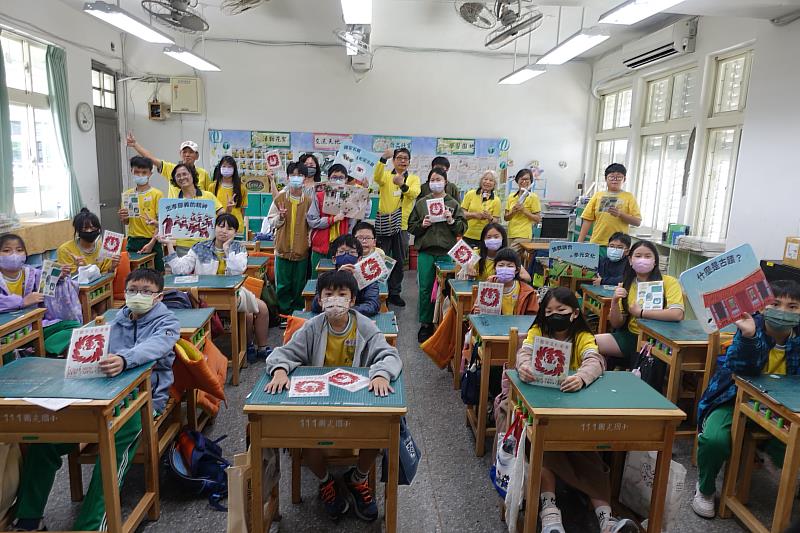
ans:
x=308 y=166
x=493 y=239
x=229 y=190
x=84 y=249
x=481 y=206
x=625 y=313
x=326 y=228
x=19 y=286
x=561 y=319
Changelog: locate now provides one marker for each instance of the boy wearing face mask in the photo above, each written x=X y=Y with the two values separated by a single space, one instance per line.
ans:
x=612 y=266
x=144 y=331
x=346 y=252
x=142 y=229
x=765 y=343
x=340 y=336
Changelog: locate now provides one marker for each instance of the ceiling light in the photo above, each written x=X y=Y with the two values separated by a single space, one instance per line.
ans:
x=122 y=20
x=633 y=11
x=522 y=75
x=194 y=61
x=357 y=11
x=573 y=47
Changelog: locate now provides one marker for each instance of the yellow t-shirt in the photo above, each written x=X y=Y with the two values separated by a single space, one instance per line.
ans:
x=777 y=361
x=582 y=343
x=205 y=195
x=224 y=195
x=488 y=267
x=222 y=264
x=69 y=249
x=292 y=217
x=510 y=298
x=606 y=224
x=520 y=226
x=390 y=197
x=148 y=205
x=672 y=291
x=16 y=287
x=474 y=202
x=341 y=347
x=203 y=180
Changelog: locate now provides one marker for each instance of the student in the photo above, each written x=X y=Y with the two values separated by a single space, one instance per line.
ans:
x=346 y=252
x=585 y=471
x=326 y=228
x=142 y=229
x=287 y=215
x=641 y=266
x=521 y=216
x=481 y=206
x=311 y=163
x=397 y=191
x=84 y=249
x=765 y=343
x=144 y=331
x=364 y=232
x=612 y=266
x=224 y=256
x=189 y=155
x=493 y=238
x=433 y=240
x=617 y=218
x=185 y=185
x=19 y=288
x=340 y=336
x=451 y=189
x=519 y=298
x=228 y=188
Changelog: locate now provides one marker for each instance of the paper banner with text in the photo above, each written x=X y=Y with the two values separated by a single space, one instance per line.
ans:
x=360 y=163
x=179 y=218
x=583 y=254
x=87 y=347
x=350 y=200
x=550 y=361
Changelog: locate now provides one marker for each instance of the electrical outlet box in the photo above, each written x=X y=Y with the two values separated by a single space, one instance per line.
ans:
x=187 y=95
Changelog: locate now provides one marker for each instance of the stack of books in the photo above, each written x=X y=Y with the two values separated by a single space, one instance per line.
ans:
x=698 y=244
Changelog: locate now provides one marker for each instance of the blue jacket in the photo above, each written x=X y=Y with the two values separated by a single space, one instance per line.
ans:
x=746 y=357
x=367 y=301
x=150 y=338
x=611 y=272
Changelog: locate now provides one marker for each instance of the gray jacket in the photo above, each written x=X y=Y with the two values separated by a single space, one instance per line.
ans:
x=307 y=348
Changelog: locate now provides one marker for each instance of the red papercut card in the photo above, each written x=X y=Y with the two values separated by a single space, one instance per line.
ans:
x=87 y=347
x=370 y=269
x=112 y=244
x=347 y=380
x=437 y=211
x=490 y=298
x=310 y=386
x=550 y=361
x=462 y=253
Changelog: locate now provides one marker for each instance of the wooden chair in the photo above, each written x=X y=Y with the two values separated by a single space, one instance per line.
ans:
x=345 y=457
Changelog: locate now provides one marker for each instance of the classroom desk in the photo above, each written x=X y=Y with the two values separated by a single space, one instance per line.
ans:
x=311 y=289
x=386 y=322
x=142 y=260
x=597 y=299
x=18 y=328
x=221 y=293
x=342 y=420
x=444 y=270
x=115 y=401
x=781 y=419
x=257 y=267
x=492 y=332
x=95 y=293
x=461 y=300
x=618 y=412
x=260 y=246
x=530 y=248
x=325 y=265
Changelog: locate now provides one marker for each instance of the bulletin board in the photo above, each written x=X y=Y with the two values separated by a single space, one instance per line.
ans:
x=469 y=157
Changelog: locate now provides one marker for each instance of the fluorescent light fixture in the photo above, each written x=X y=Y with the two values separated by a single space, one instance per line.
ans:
x=194 y=61
x=522 y=75
x=633 y=11
x=122 y=20
x=352 y=50
x=357 y=11
x=573 y=47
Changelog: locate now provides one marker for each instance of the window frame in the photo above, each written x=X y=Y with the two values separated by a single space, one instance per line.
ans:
x=616 y=129
x=659 y=182
x=747 y=54
x=700 y=219
x=103 y=71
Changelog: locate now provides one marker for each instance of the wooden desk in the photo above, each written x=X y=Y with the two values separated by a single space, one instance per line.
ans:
x=142 y=260
x=779 y=396
x=461 y=300
x=310 y=290
x=260 y=246
x=386 y=322
x=18 y=328
x=93 y=294
x=444 y=271
x=530 y=248
x=325 y=265
x=115 y=401
x=342 y=420
x=222 y=293
x=601 y=417
x=492 y=332
x=597 y=299
x=257 y=267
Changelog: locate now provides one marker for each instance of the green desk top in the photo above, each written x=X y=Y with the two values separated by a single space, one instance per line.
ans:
x=102 y=279
x=598 y=291
x=386 y=322
x=785 y=390
x=39 y=377
x=683 y=331
x=205 y=282
x=499 y=325
x=5 y=318
x=614 y=390
x=325 y=263
x=256 y=261
x=462 y=286
x=445 y=266
x=311 y=287
x=188 y=318
x=337 y=396
x=138 y=257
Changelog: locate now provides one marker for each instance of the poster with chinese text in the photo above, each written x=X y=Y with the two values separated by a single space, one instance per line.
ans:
x=179 y=218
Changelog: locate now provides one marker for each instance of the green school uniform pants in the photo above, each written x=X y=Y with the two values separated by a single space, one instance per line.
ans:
x=136 y=243
x=57 y=336
x=290 y=277
x=43 y=461
x=426 y=274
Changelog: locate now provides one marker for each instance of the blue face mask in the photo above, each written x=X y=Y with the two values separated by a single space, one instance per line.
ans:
x=296 y=181
x=345 y=259
x=615 y=254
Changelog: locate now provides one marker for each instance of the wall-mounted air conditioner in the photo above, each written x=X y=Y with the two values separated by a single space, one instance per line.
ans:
x=672 y=41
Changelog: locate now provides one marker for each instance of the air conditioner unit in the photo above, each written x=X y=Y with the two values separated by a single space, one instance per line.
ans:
x=672 y=41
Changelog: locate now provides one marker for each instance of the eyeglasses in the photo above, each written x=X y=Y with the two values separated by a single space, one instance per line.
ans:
x=365 y=239
x=615 y=177
x=143 y=292
x=402 y=158
x=343 y=251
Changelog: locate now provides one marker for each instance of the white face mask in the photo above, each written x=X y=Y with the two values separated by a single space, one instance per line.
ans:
x=141 y=180
x=335 y=306
x=226 y=172
x=436 y=186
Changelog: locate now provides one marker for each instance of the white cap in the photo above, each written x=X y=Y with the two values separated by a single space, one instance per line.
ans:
x=189 y=144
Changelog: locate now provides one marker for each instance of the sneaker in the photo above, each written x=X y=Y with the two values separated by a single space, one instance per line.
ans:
x=251 y=353
x=551 y=520
x=360 y=495
x=620 y=525
x=395 y=299
x=262 y=354
x=335 y=505
x=28 y=524
x=703 y=505
x=425 y=331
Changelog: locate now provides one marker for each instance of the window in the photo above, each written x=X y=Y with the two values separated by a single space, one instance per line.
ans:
x=104 y=89
x=730 y=88
x=671 y=97
x=40 y=177
x=660 y=183
x=613 y=130
x=615 y=110
x=720 y=169
x=614 y=151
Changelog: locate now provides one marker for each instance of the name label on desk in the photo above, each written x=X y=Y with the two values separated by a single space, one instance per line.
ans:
x=324 y=423
x=29 y=418
x=602 y=426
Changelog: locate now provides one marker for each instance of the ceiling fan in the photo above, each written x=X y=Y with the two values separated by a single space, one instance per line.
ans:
x=180 y=15
x=508 y=19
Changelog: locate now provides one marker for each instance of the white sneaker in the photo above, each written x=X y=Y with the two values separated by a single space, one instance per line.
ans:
x=551 y=520
x=703 y=505
x=620 y=525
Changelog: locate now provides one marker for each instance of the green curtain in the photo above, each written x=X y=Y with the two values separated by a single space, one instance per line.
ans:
x=59 y=105
x=6 y=163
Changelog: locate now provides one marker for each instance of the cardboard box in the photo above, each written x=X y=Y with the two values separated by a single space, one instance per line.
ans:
x=791 y=252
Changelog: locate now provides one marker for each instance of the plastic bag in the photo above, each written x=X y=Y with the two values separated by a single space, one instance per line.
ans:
x=516 y=485
x=637 y=486
x=87 y=274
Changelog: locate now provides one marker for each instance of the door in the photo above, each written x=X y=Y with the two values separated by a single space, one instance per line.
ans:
x=107 y=141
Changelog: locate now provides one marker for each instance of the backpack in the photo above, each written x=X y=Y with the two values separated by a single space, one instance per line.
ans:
x=175 y=299
x=198 y=463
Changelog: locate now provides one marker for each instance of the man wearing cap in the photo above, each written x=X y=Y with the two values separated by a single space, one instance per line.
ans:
x=189 y=155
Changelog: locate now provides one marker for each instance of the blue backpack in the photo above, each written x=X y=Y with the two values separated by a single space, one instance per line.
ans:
x=198 y=463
